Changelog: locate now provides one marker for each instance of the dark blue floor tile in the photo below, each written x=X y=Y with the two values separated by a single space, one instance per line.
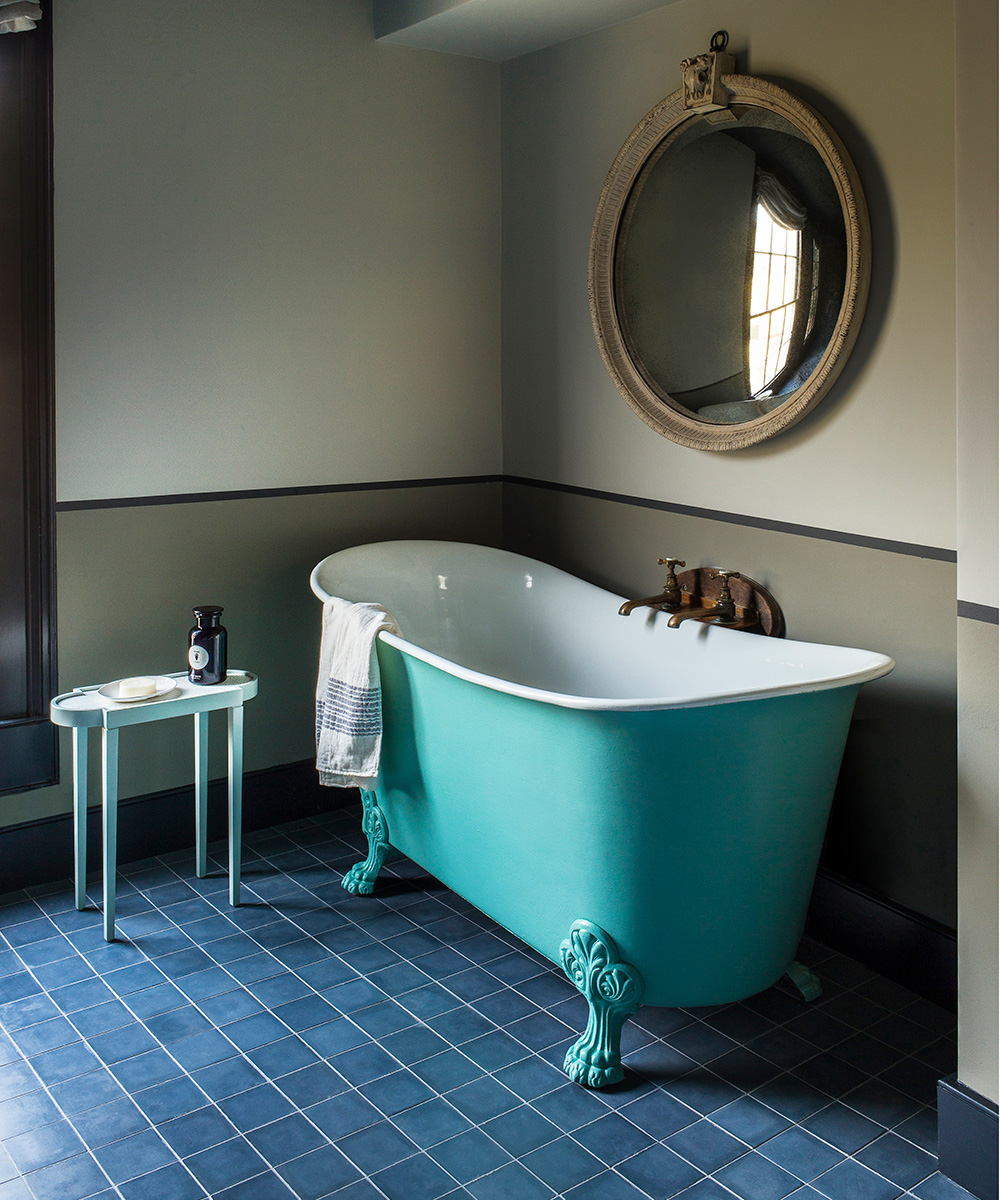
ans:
x=418 y=1178
x=482 y=1099
x=512 y=1182
x=171 y=1181
x=257 y=1106
x=29 y=1111
x=898 y=1160
x=145 y=1070
x=754 y=1177
x=377 y=1146
x=43 y=1146
x=447 y=1070
x=524 y=1129
x=318 y=1173
x=706 y=1146
x=313 y=1083
x=921 y=1129
x=432 y=1122
x=225 y=1164
x=170 y=1099
x=750 y=1121
x=842 y=1127
x=939 y=1187
x=262 y=1187
x=227 y=1077
x=607 y=1186
x=849 y=1180
x=67 y=1062
x=801 y=1153
x=288 y=1138
x=109 y=1122
x=395 y=1092
x=469 y=1155
x=196 y=1131
x=86 y=1091
x=70 y=1179
x=659 y=1172
x=202 y=1049
x=658 y=1114
x=135 y=1155
x=562 y=1164
x=341 y=1115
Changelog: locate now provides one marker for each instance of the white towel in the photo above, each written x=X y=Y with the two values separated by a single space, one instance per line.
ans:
x=349 y=694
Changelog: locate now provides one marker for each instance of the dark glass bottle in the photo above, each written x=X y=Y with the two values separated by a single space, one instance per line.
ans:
x=207 y=646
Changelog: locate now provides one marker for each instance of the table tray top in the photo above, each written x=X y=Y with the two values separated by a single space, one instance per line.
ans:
x=84 y=706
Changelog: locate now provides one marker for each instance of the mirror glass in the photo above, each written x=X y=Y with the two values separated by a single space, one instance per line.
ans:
x=729 y=266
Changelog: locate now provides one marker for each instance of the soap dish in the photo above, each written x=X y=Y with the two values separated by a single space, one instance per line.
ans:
x=111 y=691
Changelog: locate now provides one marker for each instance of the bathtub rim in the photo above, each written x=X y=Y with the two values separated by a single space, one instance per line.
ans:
x=877 y=666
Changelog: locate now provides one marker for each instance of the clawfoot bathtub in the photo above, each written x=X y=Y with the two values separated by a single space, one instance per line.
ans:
x=644 y=805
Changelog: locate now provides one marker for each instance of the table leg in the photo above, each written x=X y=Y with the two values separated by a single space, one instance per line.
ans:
x=80 y=739
x=110 y=772
x=235 y=800
x=201 y=793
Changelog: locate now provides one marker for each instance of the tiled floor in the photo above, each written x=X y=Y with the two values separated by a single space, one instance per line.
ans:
x=314 y=1044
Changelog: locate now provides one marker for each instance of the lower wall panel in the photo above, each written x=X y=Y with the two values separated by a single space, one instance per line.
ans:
x=128 y=578
x=892 y=832
x=40 y=852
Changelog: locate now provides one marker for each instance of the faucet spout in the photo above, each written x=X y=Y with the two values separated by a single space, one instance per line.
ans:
x=662 y=601
x=697 y=614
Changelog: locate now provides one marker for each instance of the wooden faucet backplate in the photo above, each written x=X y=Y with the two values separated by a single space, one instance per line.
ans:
x=700 y=588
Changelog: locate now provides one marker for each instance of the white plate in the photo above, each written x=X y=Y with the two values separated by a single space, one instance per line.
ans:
x=163 y=685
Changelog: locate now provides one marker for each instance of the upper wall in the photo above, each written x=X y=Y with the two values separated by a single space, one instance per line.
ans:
x=876 y=457
x=277 y=250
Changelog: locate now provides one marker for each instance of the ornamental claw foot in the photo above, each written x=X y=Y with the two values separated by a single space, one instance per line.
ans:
x=612 y=989
x=806 y=982
x=360 y=879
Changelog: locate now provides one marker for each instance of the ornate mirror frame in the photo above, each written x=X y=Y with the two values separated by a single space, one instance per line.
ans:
x=710 y=88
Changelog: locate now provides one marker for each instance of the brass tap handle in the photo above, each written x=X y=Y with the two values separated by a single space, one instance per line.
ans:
x=671 y=588
x=725 y=595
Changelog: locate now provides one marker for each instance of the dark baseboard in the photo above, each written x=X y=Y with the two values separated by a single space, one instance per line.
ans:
x=967 y=1138
x=899 y=944
x=902 y=945
x=37 y=852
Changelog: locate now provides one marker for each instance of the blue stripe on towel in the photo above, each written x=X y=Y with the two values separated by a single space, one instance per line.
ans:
x=354 y=711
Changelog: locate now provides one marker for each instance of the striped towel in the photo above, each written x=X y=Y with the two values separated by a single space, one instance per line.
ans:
x=349 y=694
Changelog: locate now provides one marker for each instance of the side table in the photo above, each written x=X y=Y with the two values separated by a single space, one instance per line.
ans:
x=84 y=708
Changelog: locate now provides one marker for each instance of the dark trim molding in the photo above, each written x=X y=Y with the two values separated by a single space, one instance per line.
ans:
x=41 y=851
x=712 y=514
x=270 y=493
x=913 y=950
x=939 y=553
x=967 y=1138
x=978 y=612
x=905 y=946
x=27 y=464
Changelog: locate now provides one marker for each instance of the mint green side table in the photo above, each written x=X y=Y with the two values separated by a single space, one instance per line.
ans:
x=84 y=709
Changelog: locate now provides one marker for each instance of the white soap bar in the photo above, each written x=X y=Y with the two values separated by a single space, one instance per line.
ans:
x=141 y=685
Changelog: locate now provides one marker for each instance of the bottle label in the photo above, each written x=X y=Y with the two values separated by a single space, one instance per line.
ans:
x=198 y=657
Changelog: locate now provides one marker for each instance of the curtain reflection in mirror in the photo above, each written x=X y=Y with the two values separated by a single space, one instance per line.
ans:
x=782 y=291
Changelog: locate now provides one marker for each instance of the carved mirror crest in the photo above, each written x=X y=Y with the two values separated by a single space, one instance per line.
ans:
x=729 y=260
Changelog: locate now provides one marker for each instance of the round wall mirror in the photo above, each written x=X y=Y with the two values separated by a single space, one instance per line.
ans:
x=729 y=265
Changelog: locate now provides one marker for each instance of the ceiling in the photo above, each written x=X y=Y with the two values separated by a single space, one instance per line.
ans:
x=497 y=29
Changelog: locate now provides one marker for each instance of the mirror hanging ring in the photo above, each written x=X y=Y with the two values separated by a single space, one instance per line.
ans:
x=729 y=260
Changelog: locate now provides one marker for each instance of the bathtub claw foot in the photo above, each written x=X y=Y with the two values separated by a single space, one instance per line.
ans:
x=612 y=989
x=360 y=879
x=805 y=981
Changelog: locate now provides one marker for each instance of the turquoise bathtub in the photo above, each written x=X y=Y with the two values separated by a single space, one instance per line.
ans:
x=644 y=805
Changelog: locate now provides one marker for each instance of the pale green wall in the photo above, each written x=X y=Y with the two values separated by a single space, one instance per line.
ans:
x=277 y=250
x=876 y=457
x=128 y=578
x=977 y=312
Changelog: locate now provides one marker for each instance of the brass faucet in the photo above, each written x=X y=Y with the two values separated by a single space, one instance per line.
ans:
x=722 y=612
x=668 y=600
